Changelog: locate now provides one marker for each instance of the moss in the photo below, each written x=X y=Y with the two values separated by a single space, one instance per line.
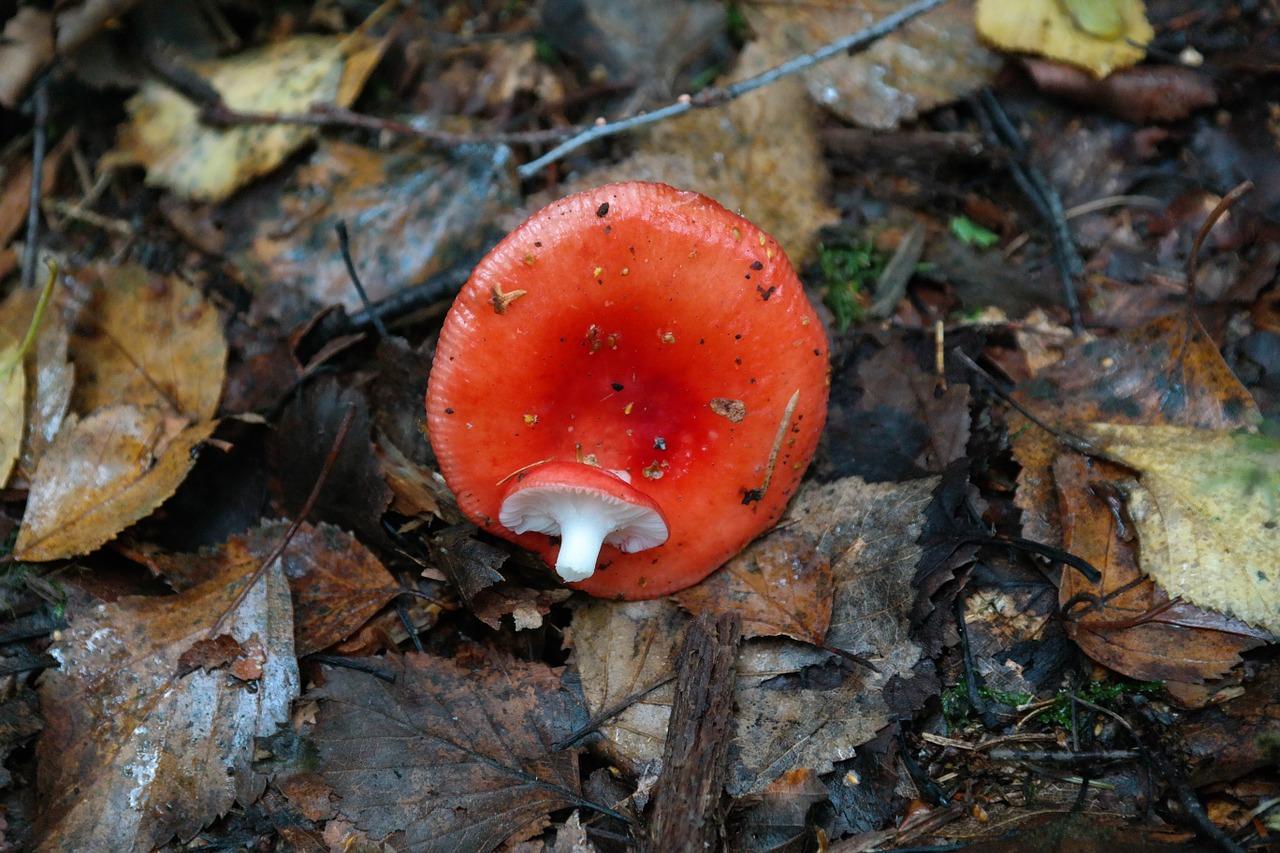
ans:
x=849 y=270
x=1106 y=694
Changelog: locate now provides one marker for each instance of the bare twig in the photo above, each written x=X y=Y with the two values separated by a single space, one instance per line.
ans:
x=40 y=120
x=612 y=711
x=1062 y=756
x=343 y=428
x=719 y=95
x=358 y=664
x=344 y=246
x=1219 y=211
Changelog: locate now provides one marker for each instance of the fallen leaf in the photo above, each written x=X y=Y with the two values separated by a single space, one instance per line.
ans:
x=1237 y=737
x=15 y=198
x=102 y=474
x=412 y=214
x=470 y=564
x=337 y=583
x=33 y=38
x=135 y=754
x=1155 y=93
x=165 y=134
x=13 y=391
x=634 y=40
x=1047 y=28
x=797 y=706
x=356 y=494
x=776 y=819
x=572 y=837
x=19 y=720
x=1167 y=371
x=525 y=606
x=150 y=341
x=455 y=753
x=1207 y=512
x=1136 y=632
x=784 y=587
x=934 y=60
x=758 y=155
x=209 y=654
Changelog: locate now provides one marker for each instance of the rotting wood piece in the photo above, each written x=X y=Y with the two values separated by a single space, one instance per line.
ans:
x=687 y=813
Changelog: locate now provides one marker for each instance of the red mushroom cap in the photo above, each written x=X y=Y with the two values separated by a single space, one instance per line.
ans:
x=644 y=330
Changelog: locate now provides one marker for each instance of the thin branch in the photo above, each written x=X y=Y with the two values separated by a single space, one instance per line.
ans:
x=1219 y=210
x=1062 y=756
x=716 y=96
x=608 y=713
x=344 y=246
x=40 y=110
x=343 y=428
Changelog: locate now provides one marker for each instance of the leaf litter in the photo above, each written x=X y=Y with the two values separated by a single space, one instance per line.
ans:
x=902 y=643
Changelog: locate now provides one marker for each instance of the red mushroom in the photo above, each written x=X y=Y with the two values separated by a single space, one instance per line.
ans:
x=636 y=371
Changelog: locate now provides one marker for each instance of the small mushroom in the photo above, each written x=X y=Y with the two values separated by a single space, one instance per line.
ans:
x=586 y=420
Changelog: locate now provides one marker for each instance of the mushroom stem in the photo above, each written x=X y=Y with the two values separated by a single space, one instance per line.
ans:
x=583 y=528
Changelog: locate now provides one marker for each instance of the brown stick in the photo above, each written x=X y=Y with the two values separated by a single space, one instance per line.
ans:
x=686 y=809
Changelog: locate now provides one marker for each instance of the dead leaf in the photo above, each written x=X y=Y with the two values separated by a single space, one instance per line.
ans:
x=572 y=837
x=412 y=214
x=356 y=495
x=1167 y=371
x=797 y=706
x=1207 y=512
x=133 y=753
x=165 y=134
x=19 y=720
x=1149 y=93
x=1137 y=632
x=783 y=587
x=337 y=583
x=455 y=754
x=102 y=474
x=525 y=606
x=758 y=155
x=209 y=654
x=150 y=341
x=776 y=819
x=934 y=60
x=28 y=44
x=1047 y=28
x=16 y=196
x=13 y=390
x=470 y=564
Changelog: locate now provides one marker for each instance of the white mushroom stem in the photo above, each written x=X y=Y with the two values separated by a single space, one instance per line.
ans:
x=583 y=528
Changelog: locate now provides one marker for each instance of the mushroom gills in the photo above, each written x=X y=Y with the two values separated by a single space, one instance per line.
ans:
x=584 y=519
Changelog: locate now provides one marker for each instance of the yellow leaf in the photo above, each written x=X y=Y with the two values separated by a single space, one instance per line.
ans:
x=150 y=341
x=101 y=475
x=13 y=391
x=1207 y=512
x=1099 y=37
x=165 y=134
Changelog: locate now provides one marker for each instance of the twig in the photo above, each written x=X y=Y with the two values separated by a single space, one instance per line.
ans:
x=608 y=713
x=40 y=109
x=1080 y=564
x=719 y=95
x=1219 y=210
x=1062 y=756
x=343 y=428
x=344 y=246
x=931 y=790
x=1075 y=442
x=757 y=494
x=851 y=657
x=997 y=126
x=354 y=663
x=687 y=813
x=971 y=687
x=81 y=214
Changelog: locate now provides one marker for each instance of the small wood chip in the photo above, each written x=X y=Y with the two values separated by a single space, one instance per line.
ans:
x=734 y=410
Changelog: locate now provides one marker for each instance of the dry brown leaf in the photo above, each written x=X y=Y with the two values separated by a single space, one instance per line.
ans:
x=1047 y=28
x=525 y=606
x=1138 y=95
x=180 y=153
x=932 y=61
x=150 y=341
x=412 y=214
x=133 y=753
x=784 y=587
x=456 y=753
x=1207 y=512
x=13 y=390
x=797 y=706
x=28 y=44
x=758 y=155
x=1138 y=632
x=102 y=474
x=1167 y=371
x=16 y=195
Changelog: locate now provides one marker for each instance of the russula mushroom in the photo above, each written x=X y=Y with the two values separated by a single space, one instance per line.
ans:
x=631 y=384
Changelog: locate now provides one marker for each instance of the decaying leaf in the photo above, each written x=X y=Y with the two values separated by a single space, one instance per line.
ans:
x=337 y=583
x=13 y=391
x=456 y=753
x=470 y=564
x=165 y=134
x=1207 y=512
x=1048 y=28
x=1139 y=95
x=525 y=606
x=932 y=61
x=102 y=474
x=412 y=214
x=776 y=819
x=797 y=706
x=134 y=753
x=758 y=155
x=33 y=38
x=150 y=341
x=1167 y=371
x=782 y=588
x=1126 y=622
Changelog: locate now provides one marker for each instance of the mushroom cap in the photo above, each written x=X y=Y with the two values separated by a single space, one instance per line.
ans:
x=645 y=330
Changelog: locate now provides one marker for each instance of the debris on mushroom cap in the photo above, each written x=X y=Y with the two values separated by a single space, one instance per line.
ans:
x=586 y=507
x=642 y=344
